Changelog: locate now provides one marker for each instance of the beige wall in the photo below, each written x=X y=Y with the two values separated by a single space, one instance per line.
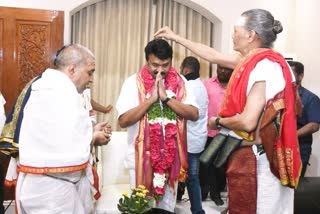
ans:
x=299 y=38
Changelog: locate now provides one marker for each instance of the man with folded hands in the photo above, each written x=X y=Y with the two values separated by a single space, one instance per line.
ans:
x=154 y=104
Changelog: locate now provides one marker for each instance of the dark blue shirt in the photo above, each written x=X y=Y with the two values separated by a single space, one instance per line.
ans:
x=310 y=113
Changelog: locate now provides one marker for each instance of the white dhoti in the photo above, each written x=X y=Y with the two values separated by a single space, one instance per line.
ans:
x=55 y=135
x=65 y=193
x=272 y=197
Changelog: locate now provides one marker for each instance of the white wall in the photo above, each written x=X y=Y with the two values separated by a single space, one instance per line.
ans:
x=307 y=46
x=299 y=38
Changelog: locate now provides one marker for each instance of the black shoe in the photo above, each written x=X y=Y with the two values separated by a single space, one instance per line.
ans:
x=160 y=211
x=204 y=192
x=180 y=192
x=216 y=198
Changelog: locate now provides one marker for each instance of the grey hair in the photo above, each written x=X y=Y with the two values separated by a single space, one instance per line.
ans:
x=263 y=23
x=73 y=54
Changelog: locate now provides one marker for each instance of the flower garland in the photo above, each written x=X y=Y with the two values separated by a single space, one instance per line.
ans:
x=163 y=145
x=162 y=132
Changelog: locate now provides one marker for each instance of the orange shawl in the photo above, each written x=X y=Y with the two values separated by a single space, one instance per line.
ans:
x=286 y=164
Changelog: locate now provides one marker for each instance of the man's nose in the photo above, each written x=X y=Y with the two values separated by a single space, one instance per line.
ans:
x=160 y=69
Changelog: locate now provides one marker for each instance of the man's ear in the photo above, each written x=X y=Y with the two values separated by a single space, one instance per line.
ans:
x=71 y=69
x=300 y=76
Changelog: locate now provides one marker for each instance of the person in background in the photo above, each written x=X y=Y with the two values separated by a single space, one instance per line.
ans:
x=154 y=105
x=53 y=133
x=100 y=108
x=2 y=156
x=261 y=91
x=308 y=122
x=196 y=131
x=2 y=111
x=91 y=105
x=211 y=178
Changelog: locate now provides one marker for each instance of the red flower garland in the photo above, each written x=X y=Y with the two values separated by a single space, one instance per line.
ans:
x=162 y=148
x=162 y=154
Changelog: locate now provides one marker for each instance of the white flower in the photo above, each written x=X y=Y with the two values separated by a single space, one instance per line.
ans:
x=167 y=121
x=170 y=94
x=159 y=180
x=160 y=120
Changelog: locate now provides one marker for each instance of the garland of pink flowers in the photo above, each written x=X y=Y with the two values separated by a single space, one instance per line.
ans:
x=162 y=148
x=162 y=155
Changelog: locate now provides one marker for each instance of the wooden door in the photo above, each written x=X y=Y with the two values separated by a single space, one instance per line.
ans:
x=29 y=39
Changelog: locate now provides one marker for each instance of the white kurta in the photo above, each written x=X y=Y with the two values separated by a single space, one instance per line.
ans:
x=56 y=131
x=127 y=100
x=272 y=197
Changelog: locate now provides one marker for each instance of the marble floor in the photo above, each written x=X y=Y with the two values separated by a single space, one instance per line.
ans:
x=183 y=207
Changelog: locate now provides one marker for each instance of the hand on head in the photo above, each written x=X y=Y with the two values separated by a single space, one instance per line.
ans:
x=166 y=33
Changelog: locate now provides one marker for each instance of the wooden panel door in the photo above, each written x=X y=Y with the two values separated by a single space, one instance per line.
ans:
x=29 y=39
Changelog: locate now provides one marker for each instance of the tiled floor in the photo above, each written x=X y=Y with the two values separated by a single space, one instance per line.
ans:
x=9 y=206
x=183 y=207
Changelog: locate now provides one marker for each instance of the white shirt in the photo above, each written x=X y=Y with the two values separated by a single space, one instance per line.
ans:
x=127 y=100
x=56 y=130
x=197 y=131
x=271 y=73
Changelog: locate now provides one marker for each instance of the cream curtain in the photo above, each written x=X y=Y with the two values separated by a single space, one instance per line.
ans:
x=117 y=32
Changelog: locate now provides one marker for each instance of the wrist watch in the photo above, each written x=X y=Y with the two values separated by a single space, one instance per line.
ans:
x=217 y=122
x=166 y=100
